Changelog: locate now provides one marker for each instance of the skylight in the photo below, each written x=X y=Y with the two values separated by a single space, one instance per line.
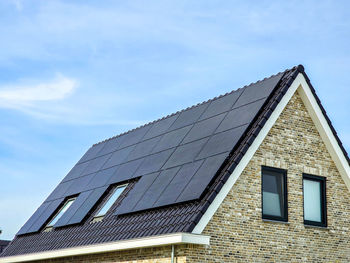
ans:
x=113 y=197
x=64 y=208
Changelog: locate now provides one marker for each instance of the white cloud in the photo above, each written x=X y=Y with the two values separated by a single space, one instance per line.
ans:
x=57 y=89
x=40 y=99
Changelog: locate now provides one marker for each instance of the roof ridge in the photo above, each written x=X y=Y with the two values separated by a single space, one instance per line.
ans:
x=299 y=67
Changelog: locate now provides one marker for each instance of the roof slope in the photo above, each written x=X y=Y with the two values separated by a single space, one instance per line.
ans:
x=175 y=166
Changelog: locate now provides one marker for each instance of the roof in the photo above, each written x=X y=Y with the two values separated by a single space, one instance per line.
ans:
x=4 y=242
x=175 y=167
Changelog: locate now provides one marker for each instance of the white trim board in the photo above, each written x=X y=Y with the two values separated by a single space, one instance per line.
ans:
x=300 y=85
x=162 y=240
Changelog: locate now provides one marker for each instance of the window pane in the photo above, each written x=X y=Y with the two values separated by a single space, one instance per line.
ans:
x=111 y=201
x=273 y=194
x=62 y=211
x=312 y=200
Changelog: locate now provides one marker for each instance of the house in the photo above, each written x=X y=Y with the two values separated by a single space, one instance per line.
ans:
x=3 y=245
x=256 y=175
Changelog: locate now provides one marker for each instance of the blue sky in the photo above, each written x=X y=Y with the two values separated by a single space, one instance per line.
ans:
x=73 y=73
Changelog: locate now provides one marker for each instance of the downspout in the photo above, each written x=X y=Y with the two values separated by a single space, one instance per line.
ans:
x=172 y=253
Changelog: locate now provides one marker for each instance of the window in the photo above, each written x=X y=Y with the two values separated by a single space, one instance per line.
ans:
x=60 y=213
x=274 y=194
x=314 y=200
x=111 y=200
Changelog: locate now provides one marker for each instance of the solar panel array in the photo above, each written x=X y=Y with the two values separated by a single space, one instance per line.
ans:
x=175 y=158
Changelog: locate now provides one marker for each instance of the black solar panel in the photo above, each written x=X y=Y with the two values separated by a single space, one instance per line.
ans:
x=185 y=153
x=110 y=146
x=119 y=157
x=160 y=127
x=144 y=148
x=92 y=152
x=259 y=90
x=136 y=194
x=76 y=171
x=240 y=116
x=156 y=189
x=204 y=128
x=60 y=190
x=178 y=183
x=153 y=163
x=171 y=139
x=101 y=178
x=201 y=179
x=24 y=229
x=73 y=209
x=78 y=185
x=222 y=104
x=189 y=116
x=222 y=142
x=87 y=205
x=96 y=164
x=174 y=159
x=45 y=215
x=135 y=136
x=125 y=171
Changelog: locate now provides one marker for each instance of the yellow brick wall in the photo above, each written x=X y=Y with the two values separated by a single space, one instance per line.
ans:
x=238 y=234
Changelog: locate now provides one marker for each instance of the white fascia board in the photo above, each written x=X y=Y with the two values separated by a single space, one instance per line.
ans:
x=300 y=85
x=325 y=131
x=161 y=240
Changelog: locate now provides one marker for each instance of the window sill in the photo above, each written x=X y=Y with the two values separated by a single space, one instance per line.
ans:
x=275 y=221
x=318 y=227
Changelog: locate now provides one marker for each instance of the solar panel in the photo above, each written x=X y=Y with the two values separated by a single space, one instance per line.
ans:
x=176 y=157
x=125 y=171
x=76 y=171
x=156 y=189
x=222 y=142
x=171 y=139
x=96 y=164
x=110 y=146
x=204 y=128
x=222 y=104
x=73 y=209
x=240 y=116
x=135 y=136
x=60 y=190
x=202 y=178
x=101 y=178
x=185 y=153
x=78 y=185
x=143 y=148
x=87 y=205
x=153 y=163
x=33 y=218
x=189 y=116
x=136 y=193
x=259 y=90
x=46 y=214
x=92 y=152
x=160 y=127
x=118 y=157
x=178 y=183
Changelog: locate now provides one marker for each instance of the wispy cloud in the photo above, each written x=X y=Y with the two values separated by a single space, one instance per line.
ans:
x=57 y=89
x=34 y=98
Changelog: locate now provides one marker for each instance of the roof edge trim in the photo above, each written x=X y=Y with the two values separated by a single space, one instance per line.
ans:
x=153 y=241
x=301 y=86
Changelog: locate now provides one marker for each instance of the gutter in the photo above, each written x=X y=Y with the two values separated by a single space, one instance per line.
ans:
x=161 y=240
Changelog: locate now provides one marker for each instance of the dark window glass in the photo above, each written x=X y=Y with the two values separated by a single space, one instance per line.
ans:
x=274 y=194
x=314 y=200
